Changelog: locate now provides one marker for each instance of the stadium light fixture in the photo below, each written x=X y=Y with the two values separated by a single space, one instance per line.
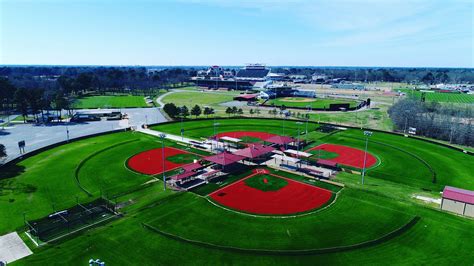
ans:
x=163 y=136
x=367 y=134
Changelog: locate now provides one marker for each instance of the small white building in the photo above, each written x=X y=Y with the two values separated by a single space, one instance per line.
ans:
x=459 y=201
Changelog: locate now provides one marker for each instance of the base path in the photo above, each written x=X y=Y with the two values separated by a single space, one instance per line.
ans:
x=347 y=155
x=295 y=197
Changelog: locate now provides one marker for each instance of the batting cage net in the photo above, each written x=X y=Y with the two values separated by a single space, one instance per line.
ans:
x=64 y=222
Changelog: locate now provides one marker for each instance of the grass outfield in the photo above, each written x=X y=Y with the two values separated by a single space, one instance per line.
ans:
x=204 y=128
x=352 y=213
x=201 y=98
x=50 y=179
x=442 y=97
x=317 y=103
x=110 y=102
x=431 y=240
x=359 y=213
x=408 y=161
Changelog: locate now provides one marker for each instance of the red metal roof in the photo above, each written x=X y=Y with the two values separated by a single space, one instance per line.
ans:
x=246 y=96
x=327 y=162
x=254 y=151
x=183 y=175
x=192 y=166
x=280 y=140
x=458 y=194
x=224 y=158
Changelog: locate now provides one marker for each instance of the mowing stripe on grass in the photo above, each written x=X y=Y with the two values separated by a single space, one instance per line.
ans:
x=389 y=236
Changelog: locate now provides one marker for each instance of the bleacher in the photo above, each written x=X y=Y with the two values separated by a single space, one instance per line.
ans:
x=252 y=73
x=306 y=94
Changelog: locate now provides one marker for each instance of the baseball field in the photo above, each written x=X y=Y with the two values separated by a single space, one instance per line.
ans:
x=255 y=217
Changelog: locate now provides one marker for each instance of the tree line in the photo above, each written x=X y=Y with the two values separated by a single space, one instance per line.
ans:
x=174 y=111
x=33 y=90
x=453 y=123
x=34 y=101
x=387 y=74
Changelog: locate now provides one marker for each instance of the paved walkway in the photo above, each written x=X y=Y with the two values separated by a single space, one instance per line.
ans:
x=12 y=248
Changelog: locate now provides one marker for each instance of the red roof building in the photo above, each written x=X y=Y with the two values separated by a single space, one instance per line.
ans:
x=327 y=163
x=183 y=176
x=459 y=201
x=246 y=97
x=191 y=167
x=280 y=140
x=224 y=158
x=254 y=151
x=458 y=194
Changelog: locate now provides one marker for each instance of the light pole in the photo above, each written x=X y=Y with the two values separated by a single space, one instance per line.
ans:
x=182 y=129
x=367 y=135
x=146 y=120
x=216 y=140
x=406 y=122
x=306 y=131
x=67 y=133
x=163 y=136
x=298 y=147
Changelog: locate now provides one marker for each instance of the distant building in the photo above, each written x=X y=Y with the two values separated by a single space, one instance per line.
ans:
x=276 y=76
x=215 y=77
x=460 y=201
x=253 y=72
x=298 y=78
x=319 y=79
x=348 y=86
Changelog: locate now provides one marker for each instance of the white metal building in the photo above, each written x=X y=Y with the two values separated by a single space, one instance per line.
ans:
x=460 y=201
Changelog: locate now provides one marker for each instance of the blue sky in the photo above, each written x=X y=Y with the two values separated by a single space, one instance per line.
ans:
x=204 y=32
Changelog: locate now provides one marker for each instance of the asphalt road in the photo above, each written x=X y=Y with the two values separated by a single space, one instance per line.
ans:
x=38 y=136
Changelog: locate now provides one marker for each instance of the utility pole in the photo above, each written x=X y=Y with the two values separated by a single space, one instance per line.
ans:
x=163 y=136
x=298 y=147
x=216 y=139
x=367 y=135
x=67 y=133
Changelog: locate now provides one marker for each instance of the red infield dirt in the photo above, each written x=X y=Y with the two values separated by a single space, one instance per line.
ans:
x=150 y=162
x=240 y=134
x=294 y=198
x=347 y=155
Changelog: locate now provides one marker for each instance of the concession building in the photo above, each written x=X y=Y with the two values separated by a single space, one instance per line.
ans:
x=460 y=201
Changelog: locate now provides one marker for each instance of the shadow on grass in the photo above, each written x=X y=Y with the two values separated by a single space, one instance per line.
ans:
x=11 y=171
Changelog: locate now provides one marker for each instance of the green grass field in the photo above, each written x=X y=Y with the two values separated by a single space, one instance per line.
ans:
x=442 y=97
x=204 y=128
x=305 y=102
x=192 y=98
x=359 y=213
x=110 y=102
x=266 y=182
